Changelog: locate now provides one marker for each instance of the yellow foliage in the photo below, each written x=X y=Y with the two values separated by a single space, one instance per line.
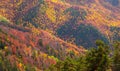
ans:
x=114 y=23
x=50 y=31
x=50 y=12
x=20 y=1
x=35 y=53
x=52 y=57
x=6 y=47
x=70 y=49
x=2 y=18
x=20 y=65
x=35 y=31
x=45 y=55
x=54 y=1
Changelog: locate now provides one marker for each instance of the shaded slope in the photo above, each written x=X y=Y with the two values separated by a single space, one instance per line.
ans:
x=81 y=34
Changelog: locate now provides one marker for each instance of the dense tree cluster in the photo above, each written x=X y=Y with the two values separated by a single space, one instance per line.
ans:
x=96 y=59
x=83 y=34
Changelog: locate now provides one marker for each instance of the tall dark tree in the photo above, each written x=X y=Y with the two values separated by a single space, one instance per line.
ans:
x=116 y=57
x=97 y=58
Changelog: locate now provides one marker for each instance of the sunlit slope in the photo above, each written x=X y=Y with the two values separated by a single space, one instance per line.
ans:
x=33 y=47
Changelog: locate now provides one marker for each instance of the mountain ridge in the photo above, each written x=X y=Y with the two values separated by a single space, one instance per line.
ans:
x=52 y=30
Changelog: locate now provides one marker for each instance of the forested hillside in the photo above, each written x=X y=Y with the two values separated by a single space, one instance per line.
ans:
x=52 y=35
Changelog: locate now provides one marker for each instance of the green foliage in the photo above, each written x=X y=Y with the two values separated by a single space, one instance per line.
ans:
x=72 y=54
x=40 y=42
x=31 y=14
x=67 y=65
x=115 y=2
x=100 y=43
x=2 y=45
x=52 y=52
x=116 y=57
x=97 y=59
x=82 y=33
x=43 y=8
x=81 y=63
x=115 y=33
x=59 y=52
x=52 y=57
x=41 y=1
x=3 y=19
x=29 y=68
x=75 y=13
x=5 y=64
